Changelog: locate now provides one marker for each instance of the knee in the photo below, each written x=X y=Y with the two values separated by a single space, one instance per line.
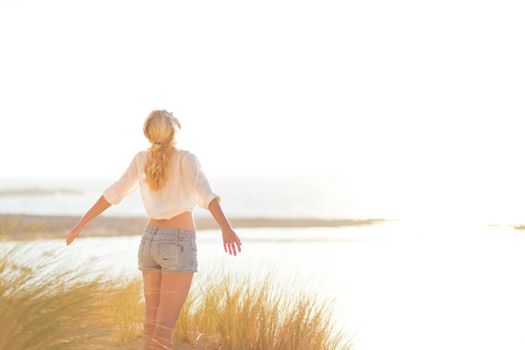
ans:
x=152 y=303
x=167 y=318
x=152 y=296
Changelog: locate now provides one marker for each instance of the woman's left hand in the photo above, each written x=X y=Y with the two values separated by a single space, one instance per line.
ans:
x=73 y=234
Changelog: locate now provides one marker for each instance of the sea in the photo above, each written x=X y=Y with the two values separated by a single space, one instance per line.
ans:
x=397 y=284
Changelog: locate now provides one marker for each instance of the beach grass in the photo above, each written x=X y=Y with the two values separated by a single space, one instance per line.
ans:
x=54 y=302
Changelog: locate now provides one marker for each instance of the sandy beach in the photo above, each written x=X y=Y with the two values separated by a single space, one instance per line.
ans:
x=28 y=227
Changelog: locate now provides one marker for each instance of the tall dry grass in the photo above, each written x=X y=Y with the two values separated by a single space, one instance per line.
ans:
x=54 y=302
x=239 y=311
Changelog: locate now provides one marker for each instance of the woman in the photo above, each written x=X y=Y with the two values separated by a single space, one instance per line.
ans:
x=171 y=182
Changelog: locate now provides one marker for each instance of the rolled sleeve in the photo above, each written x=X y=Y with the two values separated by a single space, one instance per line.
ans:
x=127 y=183
x=205 y=202
x=201 y=188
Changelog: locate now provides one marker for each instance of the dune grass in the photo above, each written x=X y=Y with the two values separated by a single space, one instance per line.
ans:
x=50 y=302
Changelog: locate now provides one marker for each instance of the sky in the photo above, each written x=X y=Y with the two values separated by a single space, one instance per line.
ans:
x=421 y=100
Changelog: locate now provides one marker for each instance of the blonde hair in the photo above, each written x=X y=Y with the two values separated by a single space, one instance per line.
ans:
x=160 y=128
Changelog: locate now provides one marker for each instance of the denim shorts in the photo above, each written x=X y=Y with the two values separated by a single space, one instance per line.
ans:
x=168 y=249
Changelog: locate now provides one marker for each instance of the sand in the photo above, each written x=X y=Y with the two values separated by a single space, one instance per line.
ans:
x=29 y=227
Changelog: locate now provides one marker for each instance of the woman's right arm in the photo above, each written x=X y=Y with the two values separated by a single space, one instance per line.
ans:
x=210 y=200
x=229 y=238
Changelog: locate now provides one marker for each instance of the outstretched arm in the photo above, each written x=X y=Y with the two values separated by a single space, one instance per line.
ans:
x=209 y=200
x=112 y=195
x=100 y=205
x=229 y=237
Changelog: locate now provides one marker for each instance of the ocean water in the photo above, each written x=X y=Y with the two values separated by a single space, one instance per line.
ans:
x=242 y=196
x=395 y=285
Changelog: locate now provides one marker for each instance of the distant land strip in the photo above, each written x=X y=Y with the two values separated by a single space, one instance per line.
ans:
x=23 y=226
x=515 y=226
x=37 y=191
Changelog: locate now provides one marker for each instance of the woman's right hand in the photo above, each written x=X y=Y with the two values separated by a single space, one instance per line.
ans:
x=230 y=241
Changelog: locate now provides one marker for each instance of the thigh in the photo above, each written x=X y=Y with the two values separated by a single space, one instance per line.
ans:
x=152 y=281
x=174 y=290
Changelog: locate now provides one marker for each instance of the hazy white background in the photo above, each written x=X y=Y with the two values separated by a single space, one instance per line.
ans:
x=421 y=100
x=419 y=104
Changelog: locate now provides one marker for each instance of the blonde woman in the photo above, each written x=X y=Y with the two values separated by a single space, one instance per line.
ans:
x=171 y=182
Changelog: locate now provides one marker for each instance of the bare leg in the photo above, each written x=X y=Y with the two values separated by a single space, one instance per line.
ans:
x=152 y=297
x=174 y=289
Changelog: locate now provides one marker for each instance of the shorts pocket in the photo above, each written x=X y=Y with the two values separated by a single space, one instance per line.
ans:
x=172 y=252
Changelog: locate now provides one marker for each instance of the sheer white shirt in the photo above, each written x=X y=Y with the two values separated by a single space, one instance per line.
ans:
x=186 y=186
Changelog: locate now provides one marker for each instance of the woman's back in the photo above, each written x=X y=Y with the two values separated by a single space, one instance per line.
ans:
x=186 y=186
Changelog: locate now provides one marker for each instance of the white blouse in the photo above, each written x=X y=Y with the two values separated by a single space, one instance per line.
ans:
x=186 y=186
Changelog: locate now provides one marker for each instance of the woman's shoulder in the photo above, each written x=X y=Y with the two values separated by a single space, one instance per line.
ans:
x=189 y=159
x=185 y=153
x=139 y=155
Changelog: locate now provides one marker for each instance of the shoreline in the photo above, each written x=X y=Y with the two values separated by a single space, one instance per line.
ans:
x=29 y=227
